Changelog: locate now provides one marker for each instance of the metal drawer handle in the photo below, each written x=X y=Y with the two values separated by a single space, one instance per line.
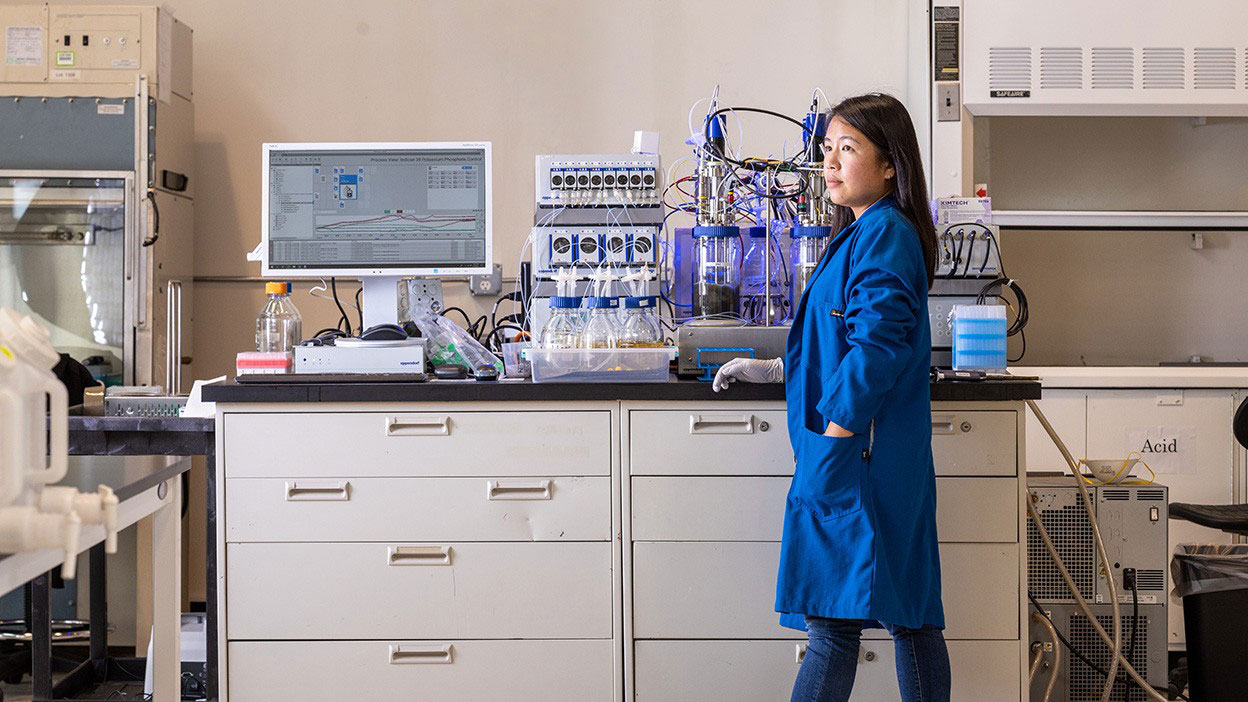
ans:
x=418 y=426
x=801 y=652
x=418 y=556
x=517 y=490
x=742 y=424
x=943 y=424
x=303 y=491
x=403 y=654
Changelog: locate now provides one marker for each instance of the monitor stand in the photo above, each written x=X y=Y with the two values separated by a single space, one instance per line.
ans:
x=379 y=302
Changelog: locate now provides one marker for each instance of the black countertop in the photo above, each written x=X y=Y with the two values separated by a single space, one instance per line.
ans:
x=524 y=390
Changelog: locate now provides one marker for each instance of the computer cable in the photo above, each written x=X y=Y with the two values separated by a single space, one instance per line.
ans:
x=342 y=319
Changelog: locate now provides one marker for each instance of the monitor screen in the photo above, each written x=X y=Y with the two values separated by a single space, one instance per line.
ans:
x=377 y=209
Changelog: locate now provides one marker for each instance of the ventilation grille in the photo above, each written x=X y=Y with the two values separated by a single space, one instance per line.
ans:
x=1163 y=69
x=1150 y=579
x=1113 y=68
x=1213 y=69
x=1151 y=495
x=1085 y=683
x=1009 y=68
x=1071 y=533
x=1110 y=494
x=1061 y=68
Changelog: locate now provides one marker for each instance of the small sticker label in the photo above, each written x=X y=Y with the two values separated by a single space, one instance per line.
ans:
x=107 y=109
x=1009 y=93
x=125 y=63
x=23 y=46
x=66 y=75
x=64 y=58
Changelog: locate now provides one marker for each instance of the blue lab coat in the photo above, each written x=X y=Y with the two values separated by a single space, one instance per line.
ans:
x=860 y=519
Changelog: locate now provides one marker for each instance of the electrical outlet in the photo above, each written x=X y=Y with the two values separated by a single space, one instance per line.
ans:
x=423 y=293
x=490 y=284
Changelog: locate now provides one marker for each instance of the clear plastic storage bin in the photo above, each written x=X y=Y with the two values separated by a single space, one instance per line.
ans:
x=600 y=365
x=979 y=337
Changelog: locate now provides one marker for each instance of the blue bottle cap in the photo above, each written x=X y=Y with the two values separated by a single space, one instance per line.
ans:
x=716 y=232
x=637 y=303
x=810 y=230
x=757 y=231
x=604 y=303
x=564 y=302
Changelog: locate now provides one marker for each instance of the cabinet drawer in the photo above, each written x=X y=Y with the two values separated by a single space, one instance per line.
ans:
x=977 y=510
x=746 y=671
x=727 y=591
x=418 y=591
x=418 y=509
x=739 y=442
x=665 y=442
x=517 y=671
x=975 y=442
x=430 y=444
x=752 y=509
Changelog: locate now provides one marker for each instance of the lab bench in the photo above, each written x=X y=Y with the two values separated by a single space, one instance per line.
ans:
x=471 y=541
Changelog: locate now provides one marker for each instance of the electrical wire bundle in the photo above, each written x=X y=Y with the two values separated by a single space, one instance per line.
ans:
x=757 y=188
x=960 y=250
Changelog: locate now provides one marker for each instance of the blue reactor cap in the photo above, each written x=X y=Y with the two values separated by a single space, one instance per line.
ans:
x=604 y=303
x=639 y=303
x=716 y=232
x=757 y=231
x=563 y=302
x=717 y=125
x=810 y=230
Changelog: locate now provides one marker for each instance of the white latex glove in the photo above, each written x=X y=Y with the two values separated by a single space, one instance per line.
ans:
x=750 y=370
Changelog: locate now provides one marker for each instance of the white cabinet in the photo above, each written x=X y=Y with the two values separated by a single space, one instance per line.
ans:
x=572 y=551
x=706 y=511
x=679 y=671
x=406 y=443
x=1067 y=412
x=376 y=509
x=709 y=441
x=726 y=590
x=731 y=508
x=395 y=670
x=420 y=552
x=419 y=591
x=1189 y=444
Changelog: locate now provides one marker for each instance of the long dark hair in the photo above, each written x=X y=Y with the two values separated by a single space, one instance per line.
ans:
x=885 y=122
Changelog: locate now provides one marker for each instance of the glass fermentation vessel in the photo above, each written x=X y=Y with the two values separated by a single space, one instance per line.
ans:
x=602 y=331
x=716 y=271
x=809 y=243
x=641 y=328
x=563 y=329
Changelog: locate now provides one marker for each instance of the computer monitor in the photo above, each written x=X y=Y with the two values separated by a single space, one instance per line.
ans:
x=378 y=212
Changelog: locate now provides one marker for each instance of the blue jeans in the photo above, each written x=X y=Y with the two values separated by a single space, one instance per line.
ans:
x=827 y=672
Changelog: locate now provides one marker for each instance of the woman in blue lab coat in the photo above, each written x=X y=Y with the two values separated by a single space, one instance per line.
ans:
x=859 y=544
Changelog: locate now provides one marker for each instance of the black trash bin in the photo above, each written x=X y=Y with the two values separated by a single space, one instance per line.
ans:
x=1213 y=582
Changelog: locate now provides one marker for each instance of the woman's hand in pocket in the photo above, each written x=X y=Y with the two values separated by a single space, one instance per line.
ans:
x=835 y=431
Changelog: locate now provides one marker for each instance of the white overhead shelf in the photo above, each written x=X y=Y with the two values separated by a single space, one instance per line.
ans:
x=1124 y=219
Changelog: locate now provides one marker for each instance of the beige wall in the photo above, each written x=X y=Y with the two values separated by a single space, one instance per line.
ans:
x=533 y=77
